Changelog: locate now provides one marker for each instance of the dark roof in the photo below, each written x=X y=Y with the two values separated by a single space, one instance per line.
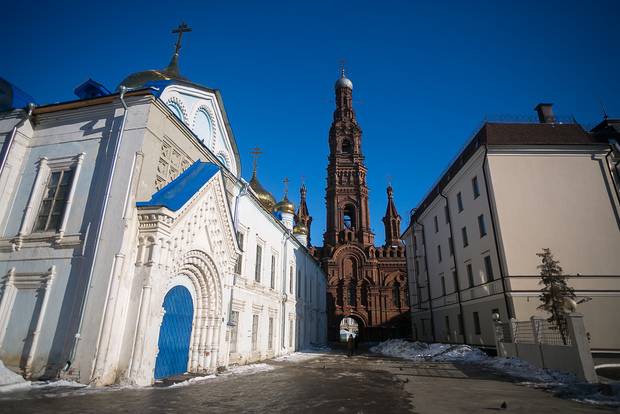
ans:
x=498 y=134
x=182 y=189
x=534 y=134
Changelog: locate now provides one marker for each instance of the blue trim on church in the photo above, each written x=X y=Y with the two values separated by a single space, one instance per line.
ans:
x=182 y=189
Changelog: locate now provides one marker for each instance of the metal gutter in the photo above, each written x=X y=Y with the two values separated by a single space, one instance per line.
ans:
x=460 y=322
x=123 y=90
x=493 y=221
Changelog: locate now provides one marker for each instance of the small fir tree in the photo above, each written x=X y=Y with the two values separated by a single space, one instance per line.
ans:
x=554 y=292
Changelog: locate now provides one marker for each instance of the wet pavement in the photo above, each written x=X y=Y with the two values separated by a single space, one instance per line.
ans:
x=329 y=383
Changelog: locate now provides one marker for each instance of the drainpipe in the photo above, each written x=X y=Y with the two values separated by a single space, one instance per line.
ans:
x=284 y=295
x=460 y=322
x=241 y=194
x=122 y=90
x=428 y=282
x=232 y=288
x=7 y=144
x=499 y=259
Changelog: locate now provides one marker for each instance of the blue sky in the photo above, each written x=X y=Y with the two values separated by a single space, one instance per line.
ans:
x=424 y=74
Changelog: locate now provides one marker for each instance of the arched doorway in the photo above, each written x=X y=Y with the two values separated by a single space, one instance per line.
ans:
x=175 y=333
x=351 y=325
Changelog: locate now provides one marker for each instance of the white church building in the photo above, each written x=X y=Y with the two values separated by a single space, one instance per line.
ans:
x=130 y=247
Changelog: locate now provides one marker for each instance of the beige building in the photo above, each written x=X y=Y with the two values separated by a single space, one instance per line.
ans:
x=515 y=189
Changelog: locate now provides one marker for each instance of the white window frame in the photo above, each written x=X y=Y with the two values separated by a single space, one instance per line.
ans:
x=47 y=166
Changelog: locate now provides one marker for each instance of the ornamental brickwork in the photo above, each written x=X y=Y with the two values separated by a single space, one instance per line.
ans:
x=366 y=283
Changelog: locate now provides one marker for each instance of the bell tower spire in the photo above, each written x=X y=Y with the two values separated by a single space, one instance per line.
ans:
x=348 y=217
x=392 y=222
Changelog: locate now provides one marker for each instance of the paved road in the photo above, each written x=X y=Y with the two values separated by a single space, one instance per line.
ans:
x=332 y=383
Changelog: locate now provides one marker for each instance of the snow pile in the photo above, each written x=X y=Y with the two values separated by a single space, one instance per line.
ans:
x=561 y=383
x=312 y=351
x=420 y=351
x=250 y=369
x=10 y=380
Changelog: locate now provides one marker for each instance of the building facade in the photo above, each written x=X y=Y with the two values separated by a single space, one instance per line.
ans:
x=365 y=283
x=130 y=247
x=515 y=189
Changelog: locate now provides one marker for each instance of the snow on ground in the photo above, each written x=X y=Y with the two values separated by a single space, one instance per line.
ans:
x=305 y=354
x=10 y=380
x=563 y=384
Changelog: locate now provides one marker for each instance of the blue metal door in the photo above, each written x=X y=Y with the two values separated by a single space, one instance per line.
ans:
x=175 y=333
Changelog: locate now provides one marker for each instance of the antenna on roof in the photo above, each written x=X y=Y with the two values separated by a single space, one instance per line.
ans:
x=605 y=116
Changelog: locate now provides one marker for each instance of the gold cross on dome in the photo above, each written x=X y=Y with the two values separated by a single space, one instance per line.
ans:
x=286 y=181
x=255 y=153
x=182 y=29
x=342 y=64
x=389 y=179
x=303 y=179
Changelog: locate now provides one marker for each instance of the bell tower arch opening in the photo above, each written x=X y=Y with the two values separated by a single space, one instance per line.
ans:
x=348 y=217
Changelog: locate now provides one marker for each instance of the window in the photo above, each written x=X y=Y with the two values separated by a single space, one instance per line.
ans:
x=465 y=239
x=254 y=332
x=481 y=226
x=439 y=258
x=406 y=296
x=257 y=265
x=450 y=246
x=270 y=340
x=299 y=283
x=273 y=271
x=446 y=213
x=470 y=275
x=349 y=217
x=347 y=147
x=489 y=268
x=436 y=224
x=50 y=203
x=476 y=323
x=459 y=202
x=395 y=298
x=291 y=276
x=240 y=258
x=474 y=184
x=54 y=201
x=234 y=319
x=447 y=319
x=351 y=296
x=443 y=286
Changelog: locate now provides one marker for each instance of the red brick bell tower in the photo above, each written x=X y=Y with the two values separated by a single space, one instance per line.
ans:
x=365 y=283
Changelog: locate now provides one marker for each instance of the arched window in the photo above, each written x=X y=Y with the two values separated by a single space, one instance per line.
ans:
x=174 y=107
x=351 y=296
x=395 y=298
x=202 y=127
x=347 y=147
x=349 y=216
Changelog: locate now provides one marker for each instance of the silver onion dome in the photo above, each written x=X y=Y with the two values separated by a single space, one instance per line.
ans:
x=343 y=82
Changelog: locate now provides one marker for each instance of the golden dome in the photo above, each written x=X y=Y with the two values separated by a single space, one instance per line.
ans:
x=264 y=196
x=285 y=206
x=137 y=80
x=300 y=229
